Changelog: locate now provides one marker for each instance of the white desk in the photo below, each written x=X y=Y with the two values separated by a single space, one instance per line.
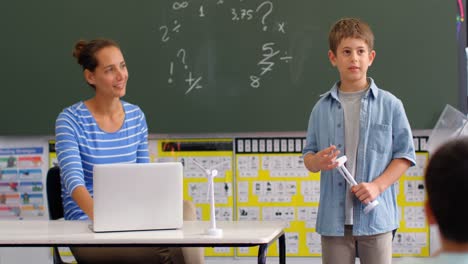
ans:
x=77 y=233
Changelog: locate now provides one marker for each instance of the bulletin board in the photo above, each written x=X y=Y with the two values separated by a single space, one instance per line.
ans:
x=273 y=184
x=412 y=238
x=264 y=178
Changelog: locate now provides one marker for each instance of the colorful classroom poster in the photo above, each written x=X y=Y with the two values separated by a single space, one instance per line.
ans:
x=23 y=166
x=210 y=154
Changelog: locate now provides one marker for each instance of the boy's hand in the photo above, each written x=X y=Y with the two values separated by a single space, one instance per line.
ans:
x=366 y=192
x=322 y=160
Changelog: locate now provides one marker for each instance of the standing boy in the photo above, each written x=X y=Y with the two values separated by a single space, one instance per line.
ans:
x=370 y=127
x=446 y=182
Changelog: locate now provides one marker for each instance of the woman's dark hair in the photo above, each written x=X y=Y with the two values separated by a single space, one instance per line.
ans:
x=85 y=52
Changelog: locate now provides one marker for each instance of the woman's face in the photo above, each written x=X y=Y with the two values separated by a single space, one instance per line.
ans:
x=111 y=75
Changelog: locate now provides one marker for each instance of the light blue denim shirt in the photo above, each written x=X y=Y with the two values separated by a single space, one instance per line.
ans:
x=385 y=134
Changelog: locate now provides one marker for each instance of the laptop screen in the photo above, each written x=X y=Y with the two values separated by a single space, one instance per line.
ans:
x=138 y=196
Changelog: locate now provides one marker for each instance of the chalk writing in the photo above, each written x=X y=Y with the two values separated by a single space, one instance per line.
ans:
x=241 y=14
x=268 y=54
x=171 y=71
x=181 y=53
x=266 y=64
x=166 y=31
x=281 y=27
x=202 y=12
x=180 y=5
x=269 y=7
x=271 y=53
x=192 y=82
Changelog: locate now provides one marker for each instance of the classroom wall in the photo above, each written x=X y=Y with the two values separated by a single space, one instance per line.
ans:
x=13 y=255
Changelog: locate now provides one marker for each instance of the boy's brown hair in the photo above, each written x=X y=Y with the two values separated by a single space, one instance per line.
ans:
x=350 y=28
x=446 y=183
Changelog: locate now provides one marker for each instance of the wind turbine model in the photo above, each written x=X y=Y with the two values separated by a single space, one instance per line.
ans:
x=350 y=179
x=210 y=174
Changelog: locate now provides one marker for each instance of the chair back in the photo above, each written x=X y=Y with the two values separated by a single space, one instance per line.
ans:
x=54 y=193
x=54 y=202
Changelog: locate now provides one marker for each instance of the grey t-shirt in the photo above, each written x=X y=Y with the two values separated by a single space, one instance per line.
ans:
x=351 y=103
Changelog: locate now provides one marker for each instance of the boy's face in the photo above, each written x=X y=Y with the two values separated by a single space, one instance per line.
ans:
x=352 y=59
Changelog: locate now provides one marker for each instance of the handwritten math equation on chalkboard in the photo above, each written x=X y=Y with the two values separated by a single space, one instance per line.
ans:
x=271 y=52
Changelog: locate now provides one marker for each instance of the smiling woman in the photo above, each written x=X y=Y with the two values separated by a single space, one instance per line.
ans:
x=105 y=70
x=105 y=129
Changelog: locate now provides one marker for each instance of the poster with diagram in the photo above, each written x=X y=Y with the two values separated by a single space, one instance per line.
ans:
x=23 y=165
x=210 y=154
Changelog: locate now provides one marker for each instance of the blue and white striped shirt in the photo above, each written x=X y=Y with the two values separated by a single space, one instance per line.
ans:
x=80 y=144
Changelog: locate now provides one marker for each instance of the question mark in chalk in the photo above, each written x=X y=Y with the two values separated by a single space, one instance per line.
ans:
x=182 y=51
x=266 y=14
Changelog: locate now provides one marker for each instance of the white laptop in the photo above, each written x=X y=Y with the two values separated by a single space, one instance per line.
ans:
x=138 y=196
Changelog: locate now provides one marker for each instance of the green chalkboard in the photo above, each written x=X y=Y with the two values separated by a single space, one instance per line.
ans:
x=209 y=66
